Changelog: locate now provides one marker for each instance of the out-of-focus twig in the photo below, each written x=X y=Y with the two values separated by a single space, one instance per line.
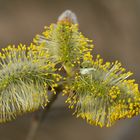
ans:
x=39 y=117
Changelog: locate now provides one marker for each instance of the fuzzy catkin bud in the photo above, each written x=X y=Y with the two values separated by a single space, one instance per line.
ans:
x=68 y=16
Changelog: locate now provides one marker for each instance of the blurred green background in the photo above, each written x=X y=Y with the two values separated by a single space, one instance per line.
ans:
x=114 y=25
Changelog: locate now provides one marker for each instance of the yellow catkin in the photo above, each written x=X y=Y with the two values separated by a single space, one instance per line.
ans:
x=102 y=94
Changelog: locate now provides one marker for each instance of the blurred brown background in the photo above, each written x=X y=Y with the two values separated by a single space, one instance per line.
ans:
x=114 y=25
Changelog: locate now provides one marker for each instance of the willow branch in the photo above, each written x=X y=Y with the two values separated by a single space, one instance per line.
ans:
x=39 y=117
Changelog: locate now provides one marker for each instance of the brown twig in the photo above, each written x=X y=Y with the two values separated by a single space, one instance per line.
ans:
x=40 y=116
